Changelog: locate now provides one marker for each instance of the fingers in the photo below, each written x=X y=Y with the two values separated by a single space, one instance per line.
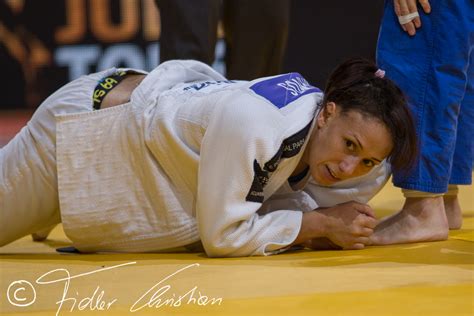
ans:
x=396 y=6
x=356 y=246
x=359 y=243
x=404 y=9
x=365 y=231
x=355 y=242
x=412 y=8
x=362 y=232
x=370 y=222
x=425 y=4
x=361 y=228
x=360 y=240
x=368 y=218
x=364 y=209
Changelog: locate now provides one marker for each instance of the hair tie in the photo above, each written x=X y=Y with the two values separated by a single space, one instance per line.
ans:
x=380 y=73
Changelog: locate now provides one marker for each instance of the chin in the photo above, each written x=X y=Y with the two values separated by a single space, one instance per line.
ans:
x=320 y=180
x=325 y=183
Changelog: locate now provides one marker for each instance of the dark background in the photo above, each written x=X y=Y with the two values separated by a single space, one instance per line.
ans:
x=325 y=33
x=321 y=35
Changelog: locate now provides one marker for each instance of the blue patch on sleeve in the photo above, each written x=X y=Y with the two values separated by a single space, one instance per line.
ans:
x=284 y=89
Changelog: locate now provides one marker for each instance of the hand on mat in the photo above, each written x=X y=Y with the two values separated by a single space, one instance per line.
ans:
x=349 y=225
x=407 y=13
x=322 y=243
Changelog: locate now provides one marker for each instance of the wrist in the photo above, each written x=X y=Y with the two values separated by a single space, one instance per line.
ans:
x=313 y=225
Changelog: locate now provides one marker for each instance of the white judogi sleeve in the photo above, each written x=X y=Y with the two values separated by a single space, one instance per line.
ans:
x=236 y=139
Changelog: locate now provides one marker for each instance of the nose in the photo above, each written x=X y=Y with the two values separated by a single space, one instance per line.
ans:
x=349 y=166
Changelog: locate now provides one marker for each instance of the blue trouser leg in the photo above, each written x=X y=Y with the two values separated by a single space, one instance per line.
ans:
x=461 y=172
x=432 y=69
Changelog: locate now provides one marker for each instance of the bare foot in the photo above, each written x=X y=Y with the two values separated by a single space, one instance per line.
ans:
x=421 y=219
x=453 y=211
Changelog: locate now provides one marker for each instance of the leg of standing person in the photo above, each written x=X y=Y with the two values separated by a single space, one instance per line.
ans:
x=256 y=34
x=461 y=171
x=432 y=69
x=188 y=29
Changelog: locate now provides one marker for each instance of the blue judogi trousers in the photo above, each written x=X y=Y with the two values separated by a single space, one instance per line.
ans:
x=435 y=69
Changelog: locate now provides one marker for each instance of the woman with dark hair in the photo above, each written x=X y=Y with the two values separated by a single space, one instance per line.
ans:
x=139 y=163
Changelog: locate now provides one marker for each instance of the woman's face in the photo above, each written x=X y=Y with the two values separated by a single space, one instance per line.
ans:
x=345 y=146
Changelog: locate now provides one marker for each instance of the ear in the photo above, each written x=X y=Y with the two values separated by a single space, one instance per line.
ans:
x=327 y=114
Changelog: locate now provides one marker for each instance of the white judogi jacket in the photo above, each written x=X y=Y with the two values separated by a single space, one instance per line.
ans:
x=192 y=157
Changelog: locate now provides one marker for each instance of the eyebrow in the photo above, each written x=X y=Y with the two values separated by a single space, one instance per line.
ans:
x=361 y=147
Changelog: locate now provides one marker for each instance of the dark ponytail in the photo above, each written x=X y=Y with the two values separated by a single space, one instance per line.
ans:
x=354 y=86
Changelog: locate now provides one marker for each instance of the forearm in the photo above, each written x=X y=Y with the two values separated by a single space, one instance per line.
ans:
x=313 y=225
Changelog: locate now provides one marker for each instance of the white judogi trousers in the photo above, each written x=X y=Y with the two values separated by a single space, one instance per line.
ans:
x=28 y=176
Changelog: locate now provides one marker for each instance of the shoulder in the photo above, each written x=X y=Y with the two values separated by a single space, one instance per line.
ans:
x=287 y=92
x=286 y=99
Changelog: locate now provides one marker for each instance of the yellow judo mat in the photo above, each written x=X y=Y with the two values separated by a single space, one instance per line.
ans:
x=412 y=279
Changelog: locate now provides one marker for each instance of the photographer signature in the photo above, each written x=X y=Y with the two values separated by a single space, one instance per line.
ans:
x=159 y=295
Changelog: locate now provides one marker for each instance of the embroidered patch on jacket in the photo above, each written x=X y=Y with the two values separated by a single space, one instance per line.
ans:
x=260 y=180
x=290 y=147
x=284 y=89
x=206 y=84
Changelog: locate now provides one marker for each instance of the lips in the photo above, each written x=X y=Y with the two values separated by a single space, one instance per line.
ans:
x=331 y=175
